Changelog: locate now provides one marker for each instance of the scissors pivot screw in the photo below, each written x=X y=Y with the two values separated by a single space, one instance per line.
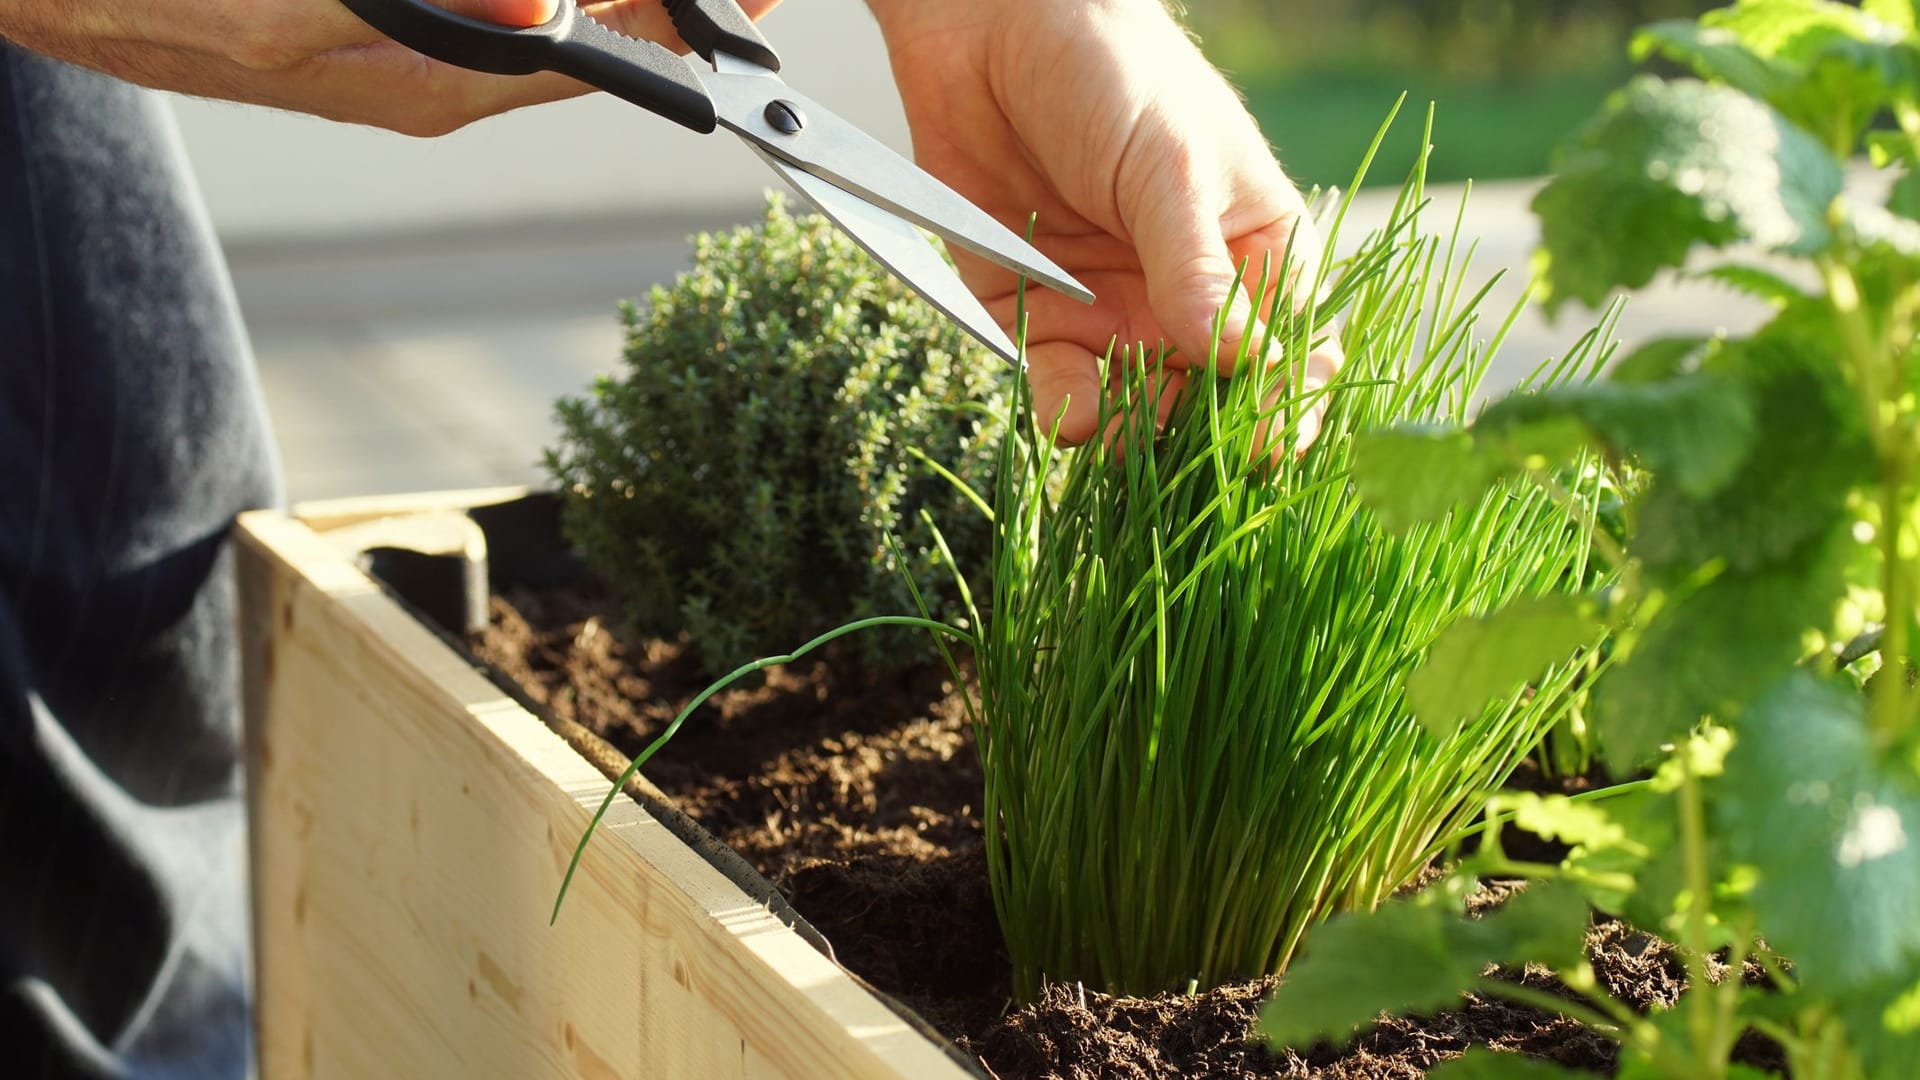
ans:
x=785 y=117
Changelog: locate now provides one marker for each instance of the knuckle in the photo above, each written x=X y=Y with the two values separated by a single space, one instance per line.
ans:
x=1154 y=162
x=1198 y=284
x=1201 y=271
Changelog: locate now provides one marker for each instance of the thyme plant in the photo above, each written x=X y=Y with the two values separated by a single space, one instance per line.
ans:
x=739 y=478
x=1768 y=576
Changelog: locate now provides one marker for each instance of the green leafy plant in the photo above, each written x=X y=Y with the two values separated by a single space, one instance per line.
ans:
x=1195 y=720
x=1196 y=659
x=739 y=478
x=1765 y=602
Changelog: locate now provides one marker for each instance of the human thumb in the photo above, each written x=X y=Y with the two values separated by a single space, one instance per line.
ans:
x=1191 y=278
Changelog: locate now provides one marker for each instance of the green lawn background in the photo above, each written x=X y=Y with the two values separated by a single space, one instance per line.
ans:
x=1510 y=79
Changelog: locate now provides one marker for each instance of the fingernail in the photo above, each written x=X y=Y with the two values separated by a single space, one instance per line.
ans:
x=1323 y=366
x=1308 y=432
x=1315 y=419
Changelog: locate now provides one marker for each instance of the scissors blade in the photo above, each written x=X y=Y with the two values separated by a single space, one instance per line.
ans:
x=903 y=251
x=853 y=161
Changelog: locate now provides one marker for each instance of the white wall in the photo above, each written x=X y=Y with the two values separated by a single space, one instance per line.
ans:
x=271 y=176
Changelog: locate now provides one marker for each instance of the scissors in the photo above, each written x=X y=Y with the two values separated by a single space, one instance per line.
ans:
x=871 y=193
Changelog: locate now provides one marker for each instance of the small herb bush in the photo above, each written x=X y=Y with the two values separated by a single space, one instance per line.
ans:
x=738 y=478
x=1197 y=718
x=1768 y=577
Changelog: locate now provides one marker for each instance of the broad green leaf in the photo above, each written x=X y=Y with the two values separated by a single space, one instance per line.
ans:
x=1413 y=475
x=1791 y=29
x=1716 y=54
x=1480 y=1063
x=1651 y=817
x=1882 y=1018
x=1809 y=453
x=1659 y=882
x=1834 y=834
x=1834 y=66
x=1637 y=1064
x=1414 y=956
x=1710 y=651
x=1668 y=165
x=1475 y=661
x=1695 y=426
x=1671 y=1028
x=1403 y=957
x=1659 y=360
x=1695 y=429
x=1755 y=281
x=1799 y=31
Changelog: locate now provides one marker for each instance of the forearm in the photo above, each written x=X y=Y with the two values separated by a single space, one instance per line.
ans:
x=312 y=56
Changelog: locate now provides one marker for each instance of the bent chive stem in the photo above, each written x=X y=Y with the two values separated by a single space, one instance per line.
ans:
x=741 y=672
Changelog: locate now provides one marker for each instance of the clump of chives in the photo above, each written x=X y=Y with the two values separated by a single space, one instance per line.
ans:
x=1193 y=720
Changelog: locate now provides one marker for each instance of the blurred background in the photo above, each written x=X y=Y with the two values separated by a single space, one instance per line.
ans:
x=1510 y=78
x=417 y=305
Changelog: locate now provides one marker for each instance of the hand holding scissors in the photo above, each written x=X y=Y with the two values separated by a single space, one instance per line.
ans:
x=874 y=195
x=1151 y=182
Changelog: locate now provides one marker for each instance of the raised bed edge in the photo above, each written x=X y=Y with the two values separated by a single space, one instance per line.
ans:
x=410 y=824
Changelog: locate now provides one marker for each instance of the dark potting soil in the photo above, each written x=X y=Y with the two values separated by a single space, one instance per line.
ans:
x=856 y=795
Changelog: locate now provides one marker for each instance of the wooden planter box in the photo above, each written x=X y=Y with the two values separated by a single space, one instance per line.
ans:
x=410 y=825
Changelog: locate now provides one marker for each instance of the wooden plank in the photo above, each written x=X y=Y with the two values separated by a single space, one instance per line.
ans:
x=411 y=825
x=325 y=515
x=430 y=532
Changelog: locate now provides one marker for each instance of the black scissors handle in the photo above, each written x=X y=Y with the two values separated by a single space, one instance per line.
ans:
x=719 y=25
x=573 y=44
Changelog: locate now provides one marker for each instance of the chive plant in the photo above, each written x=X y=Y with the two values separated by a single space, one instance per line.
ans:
x=1193 y=663
x=1193 y=716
